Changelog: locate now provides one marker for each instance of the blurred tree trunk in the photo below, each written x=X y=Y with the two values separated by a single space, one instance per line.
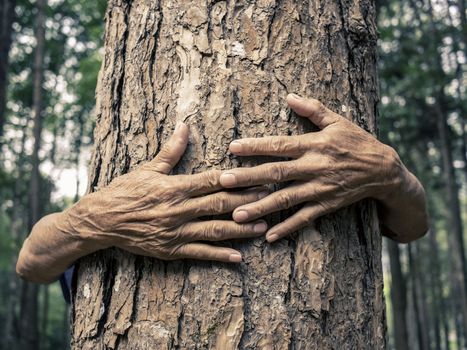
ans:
x=66 y=327
x=7 y=16
x=398 y=297
x=439 y=303
x=45 y=315
x=29 y=332
x=422 y=290
x=77 y=152
x=420 y=315
x=463 y=19
x=18 y=224
x=225 y=69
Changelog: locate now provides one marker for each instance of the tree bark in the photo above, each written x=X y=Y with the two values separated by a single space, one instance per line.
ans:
x=7 y=15
x=225 y=69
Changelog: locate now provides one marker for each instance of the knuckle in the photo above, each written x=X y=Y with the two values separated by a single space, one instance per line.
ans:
x=302 y=144
x=220 y=203
x=326 y=139
x=211 y=178
x=173 y=252
x=285 y=200
x=325 y=207
x=321 y=109
x=279 y=172
x=304 y=218
x=254 y=145
x=214 y=231
x=277 y=145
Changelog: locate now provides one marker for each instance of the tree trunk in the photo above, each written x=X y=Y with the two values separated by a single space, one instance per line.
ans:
x=78 y=144
x=44 y=316
x=29 y=299
x=225 y=69
x=438 y=304
x=398 y=297
x=7 y=15
x=420 y=316
x=18 y=225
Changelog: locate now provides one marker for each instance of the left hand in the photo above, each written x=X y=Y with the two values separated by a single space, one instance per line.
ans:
x=332 y=168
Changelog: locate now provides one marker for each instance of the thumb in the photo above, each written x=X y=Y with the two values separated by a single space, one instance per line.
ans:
x=171 y=153
x=313 y=110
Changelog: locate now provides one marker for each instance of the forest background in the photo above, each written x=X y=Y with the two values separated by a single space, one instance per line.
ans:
x=52 y=73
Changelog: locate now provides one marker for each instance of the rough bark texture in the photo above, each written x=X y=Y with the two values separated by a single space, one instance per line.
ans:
x=225 y=68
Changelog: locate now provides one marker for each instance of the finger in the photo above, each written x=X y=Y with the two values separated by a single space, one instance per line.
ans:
x=313 y=110
x=281 y=146
x=171 y=153
x=219 y=230
x=201 y=183
x=201 y=251
x=283 y=199
x=223 y=202
x=300 y=219
x=262 y=174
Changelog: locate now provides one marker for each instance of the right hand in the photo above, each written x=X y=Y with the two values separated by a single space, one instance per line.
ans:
x=148 y=212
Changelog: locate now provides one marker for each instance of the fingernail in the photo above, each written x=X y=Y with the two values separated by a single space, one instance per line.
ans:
x=296 y=96
x=228 y=179
x=240 y=215
x=260 y=227
x=178 y=126
x=272 y=238
x=261 y=195
x=235 y=147
x=235 y=258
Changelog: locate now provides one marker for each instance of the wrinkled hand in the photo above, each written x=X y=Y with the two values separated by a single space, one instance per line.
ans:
x=148 y=212
x=332 y=168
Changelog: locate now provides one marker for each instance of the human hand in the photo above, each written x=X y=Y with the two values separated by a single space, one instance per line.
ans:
x=332 y=168
x=148 y=212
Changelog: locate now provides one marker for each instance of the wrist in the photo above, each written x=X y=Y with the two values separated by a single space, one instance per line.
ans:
x=81 y=220
x=394 y=176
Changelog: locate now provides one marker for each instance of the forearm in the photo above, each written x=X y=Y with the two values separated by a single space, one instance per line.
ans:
x=52 y=246
x=402 y=211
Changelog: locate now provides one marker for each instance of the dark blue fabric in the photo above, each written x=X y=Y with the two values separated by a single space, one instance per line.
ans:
x=65 y=282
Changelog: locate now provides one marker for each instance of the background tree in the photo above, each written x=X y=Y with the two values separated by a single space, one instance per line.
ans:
x=7 y=15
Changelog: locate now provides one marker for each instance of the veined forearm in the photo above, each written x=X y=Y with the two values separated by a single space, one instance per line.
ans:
x=50 y=249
